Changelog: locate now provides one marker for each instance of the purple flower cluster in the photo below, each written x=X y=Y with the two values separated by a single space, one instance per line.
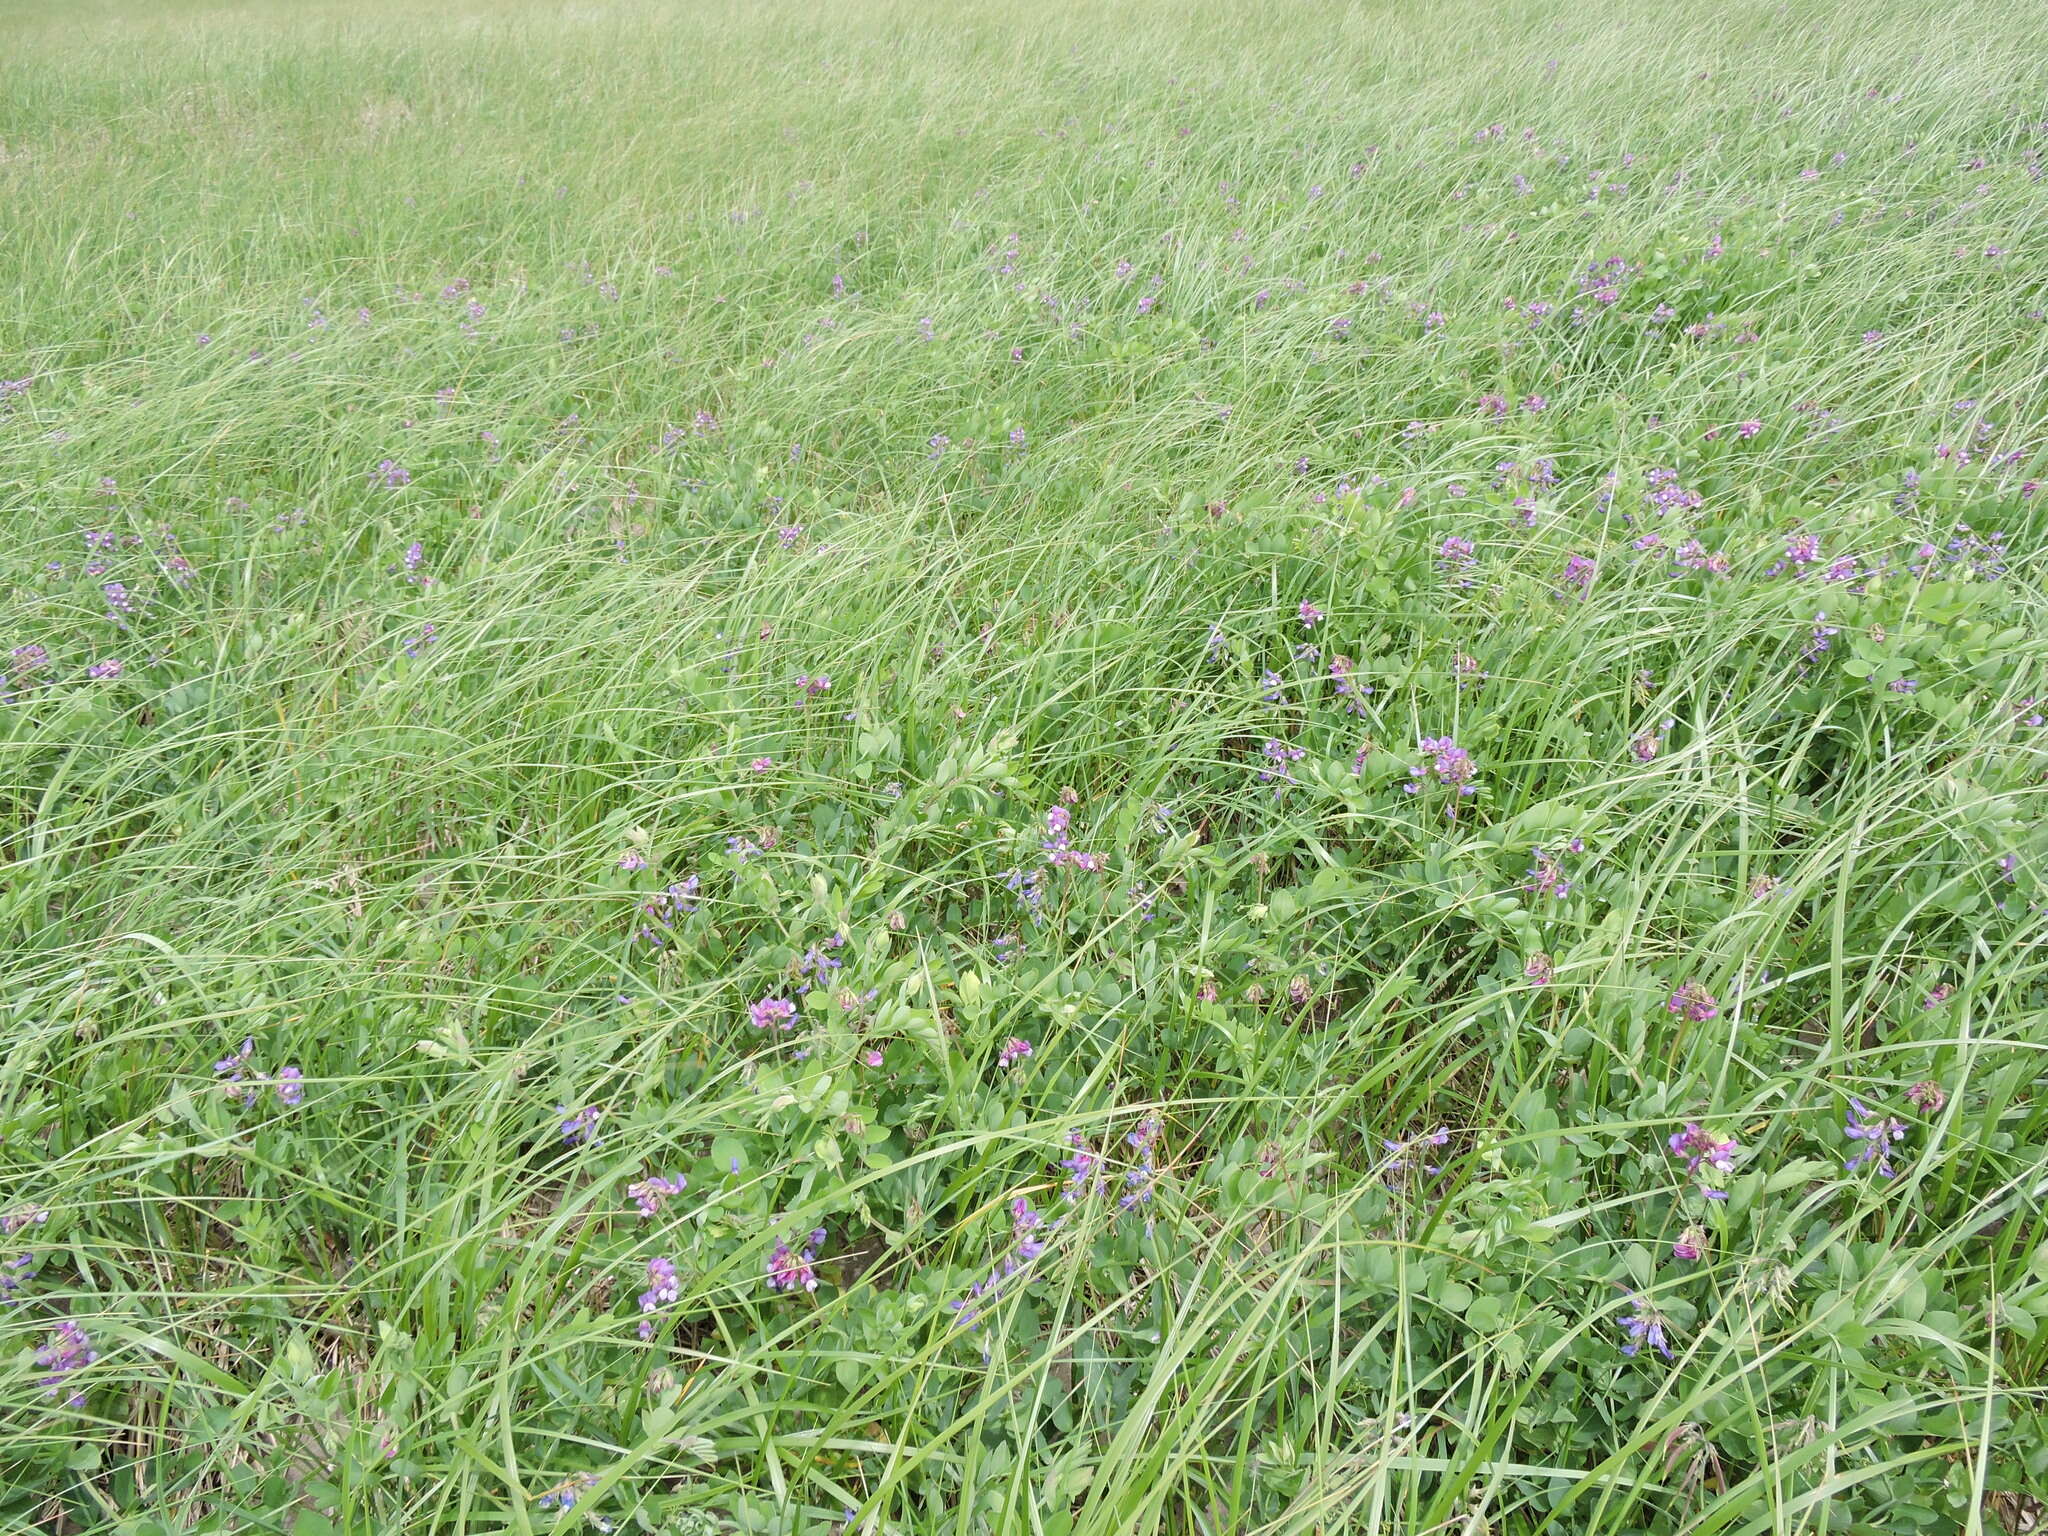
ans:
x=1280 y=756
x=242 y=1081
x=66 y=1352
x=1025 y=1227
x=790 y=1270
x=1014 y=1050
x=1059 y=849
x=1694 y=1002
x=1701 y=1149
x=579 y=1126
x=1646 y=1325
x=1447 y=764
x=666 y=907
x=772 y=1012
x=663 y=1288
x=1405 y=1158
x=1877 y=1135
x=650 y=1194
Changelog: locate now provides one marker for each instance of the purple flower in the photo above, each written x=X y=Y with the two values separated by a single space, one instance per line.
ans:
x=1539 y=970
x=761 y=765
x=579 y=1127
x=1144 y=1139
x=1702 y=1149
x=1280 y=755
x=777 y=1012
x=1928 y=1098
x=22 y=1217
x=14 y=1274
x=236 y=1077
x=1691 y=1245
x=651 y=1193
x=1084 y=1168
x=1310 y=614
x=663 y=1288
x=1014 y=1050
x=291 y=1087
x=789 y=1271
x=66 y=1351
x=1877 y=1136
x=1456 y=555
x=390 y=474
x=1448 y=763
x=1405 y=1158
x=1694 y=1001
x=1645 y=1326
x=105 y=671
x=565 y=1493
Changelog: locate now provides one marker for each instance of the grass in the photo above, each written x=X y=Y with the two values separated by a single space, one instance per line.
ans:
x=475 y=431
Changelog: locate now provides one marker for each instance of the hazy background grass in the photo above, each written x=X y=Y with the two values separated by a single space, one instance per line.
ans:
x=295 y=288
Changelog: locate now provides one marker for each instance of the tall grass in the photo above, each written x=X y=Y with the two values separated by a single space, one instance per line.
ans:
x=445 y=454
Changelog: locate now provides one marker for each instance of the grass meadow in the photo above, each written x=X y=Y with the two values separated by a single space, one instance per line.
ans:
x=1064 y=769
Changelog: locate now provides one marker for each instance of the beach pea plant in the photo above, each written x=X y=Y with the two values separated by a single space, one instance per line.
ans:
x=855 y=768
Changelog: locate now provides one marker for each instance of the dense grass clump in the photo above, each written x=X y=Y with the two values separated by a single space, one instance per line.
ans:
x=1052 y=769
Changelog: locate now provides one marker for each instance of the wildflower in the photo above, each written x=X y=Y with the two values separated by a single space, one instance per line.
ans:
x=1280 y=755
x=1645 y=1326
x=66 y=1352
x=1404 y=1159
x=651 y=1193
x=237 y=1080
x=632 y=859
x=21 y=1218
x=1540 y=969
x=105 y=671
x=14 y=1274
x=579 y=1127
x=663 y=1288
x=1703 y=1149
x=1023 y=1222
x=1455 y=555
x=291 y=1087
x=1578 y=572
x=1083 y=1167
x=390 y=474
x=1691 y=1245
x=1014 y=1050
x=1762 y=887
x=1877 y=1136
x=1928 y=1098
x=421 y=641
x=871 y=1057
x=1547 y=878
x=1141 y=1178
x=1450 y=764
x=1693 y=1001
x=789 y=1271
x=1310 y=614
x=776 y=1011
x=565 y=1493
